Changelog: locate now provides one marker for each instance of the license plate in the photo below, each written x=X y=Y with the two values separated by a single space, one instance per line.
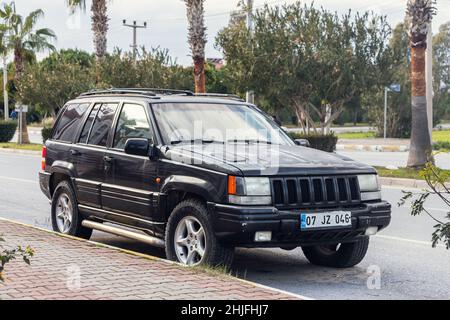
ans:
x=323 y=220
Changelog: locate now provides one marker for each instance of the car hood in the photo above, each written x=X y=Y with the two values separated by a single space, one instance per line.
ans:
x=255 y=160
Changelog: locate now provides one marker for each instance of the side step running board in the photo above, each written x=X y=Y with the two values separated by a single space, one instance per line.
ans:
x=124 y=233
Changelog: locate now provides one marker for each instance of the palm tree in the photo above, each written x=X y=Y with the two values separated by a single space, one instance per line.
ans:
x=4 y=55
x=99 y=23
x=24 y=41
x=419 y=14
x=197 y=41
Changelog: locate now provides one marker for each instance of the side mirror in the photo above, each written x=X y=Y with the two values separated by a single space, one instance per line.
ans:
x=137 y=147
x=302 y=142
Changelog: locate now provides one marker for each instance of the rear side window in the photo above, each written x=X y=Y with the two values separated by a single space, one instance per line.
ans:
x=102 y=124
x=70 y=121
x=87 y=127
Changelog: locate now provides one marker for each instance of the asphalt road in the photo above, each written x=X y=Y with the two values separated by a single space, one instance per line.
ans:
x=402 y=255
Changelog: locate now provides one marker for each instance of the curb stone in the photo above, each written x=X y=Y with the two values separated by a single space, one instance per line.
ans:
x=372 y=148
x=17 y=151
x=407 y=183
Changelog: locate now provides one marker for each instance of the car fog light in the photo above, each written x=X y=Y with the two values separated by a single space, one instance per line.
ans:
x=263 y=236
x=371 y=231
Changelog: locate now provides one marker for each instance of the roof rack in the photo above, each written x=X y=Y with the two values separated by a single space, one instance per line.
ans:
x=161 y=91
x=220 y=95
x=117 y=91
x=141 y=91
x=155 y=92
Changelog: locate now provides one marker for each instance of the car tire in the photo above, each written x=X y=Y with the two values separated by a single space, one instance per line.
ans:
x=66 y=218
x=345 y=255
x=193 y=212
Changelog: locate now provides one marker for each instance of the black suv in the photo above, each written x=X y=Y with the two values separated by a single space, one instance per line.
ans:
x=201 y=175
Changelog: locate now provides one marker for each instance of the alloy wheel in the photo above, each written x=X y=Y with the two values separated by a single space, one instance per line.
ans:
x=190 y=241
x=64 y=213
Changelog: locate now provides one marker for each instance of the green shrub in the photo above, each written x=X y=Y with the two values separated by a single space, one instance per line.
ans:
x=46 y=133
x=441 y=145
x=317 y=141
x=7 y=130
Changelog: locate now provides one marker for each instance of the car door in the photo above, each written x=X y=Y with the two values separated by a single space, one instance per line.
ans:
x=130 y=187
x=88 y=154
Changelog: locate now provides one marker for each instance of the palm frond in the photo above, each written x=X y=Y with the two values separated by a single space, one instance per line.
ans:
x=31 y=20
x=46 y=32
x=76 y=4
x=20 y=34
x=196 y=29
x=419 y=14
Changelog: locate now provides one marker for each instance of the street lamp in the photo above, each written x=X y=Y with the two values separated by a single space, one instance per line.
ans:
x=392 y=88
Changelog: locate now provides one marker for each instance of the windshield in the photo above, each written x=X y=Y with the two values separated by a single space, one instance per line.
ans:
x=216 y=123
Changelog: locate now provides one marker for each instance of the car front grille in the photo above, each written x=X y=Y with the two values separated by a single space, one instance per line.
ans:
x=315 y=192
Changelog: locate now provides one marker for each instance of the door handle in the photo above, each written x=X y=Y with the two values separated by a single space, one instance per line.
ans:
x=75 y=152
x=108 y=159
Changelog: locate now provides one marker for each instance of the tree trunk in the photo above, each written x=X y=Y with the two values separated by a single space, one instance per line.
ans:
x=19 y=66
x=199 y=75
x=421 y=151
x=99 y=27
x=197 y=41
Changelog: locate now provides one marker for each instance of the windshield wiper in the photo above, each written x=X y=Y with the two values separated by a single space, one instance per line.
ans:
x=193 y=141
x=248 y=141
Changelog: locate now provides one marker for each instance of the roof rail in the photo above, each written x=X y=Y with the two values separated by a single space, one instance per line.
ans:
x=220 y=95
x=161 y=91
x=155 y=92
x=117 y=91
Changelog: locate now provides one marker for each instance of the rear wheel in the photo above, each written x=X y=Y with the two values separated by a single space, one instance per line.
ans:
x=343 y=255
x=66 y=218
x=190 y=239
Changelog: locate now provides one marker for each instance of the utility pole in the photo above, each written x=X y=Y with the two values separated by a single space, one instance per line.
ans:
x=5 y=84
x=135 y=26
x=250 y=96
x=429 y=79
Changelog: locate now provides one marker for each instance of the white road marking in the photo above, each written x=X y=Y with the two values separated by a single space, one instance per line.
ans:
x=428 y=243
x=18 y=180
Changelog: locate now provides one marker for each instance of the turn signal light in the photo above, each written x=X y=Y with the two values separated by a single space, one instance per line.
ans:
x=232 y=185
x=44 y=156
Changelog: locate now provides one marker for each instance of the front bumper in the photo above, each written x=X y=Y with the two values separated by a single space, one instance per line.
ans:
x=237 y=225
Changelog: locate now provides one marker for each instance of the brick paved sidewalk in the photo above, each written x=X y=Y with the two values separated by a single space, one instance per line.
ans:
x=109 y=273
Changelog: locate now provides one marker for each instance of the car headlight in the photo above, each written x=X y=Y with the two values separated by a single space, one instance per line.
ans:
x=369 y=187
x=249 y=191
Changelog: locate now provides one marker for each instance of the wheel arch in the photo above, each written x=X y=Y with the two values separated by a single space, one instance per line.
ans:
x=179 y=189
x=60 y=171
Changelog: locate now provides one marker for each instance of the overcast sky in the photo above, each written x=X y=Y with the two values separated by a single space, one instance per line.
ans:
x=167 y=22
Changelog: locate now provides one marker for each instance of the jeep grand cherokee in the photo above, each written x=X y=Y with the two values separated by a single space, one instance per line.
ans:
x=202 y=174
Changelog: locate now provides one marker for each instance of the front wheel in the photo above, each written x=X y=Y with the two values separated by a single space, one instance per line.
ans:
x=343 y=255
x=190 y=239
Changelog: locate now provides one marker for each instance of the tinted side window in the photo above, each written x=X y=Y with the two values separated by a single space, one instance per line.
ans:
x=102 y=124
x=88 y=125
x=133 y=123
x=69 y=122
